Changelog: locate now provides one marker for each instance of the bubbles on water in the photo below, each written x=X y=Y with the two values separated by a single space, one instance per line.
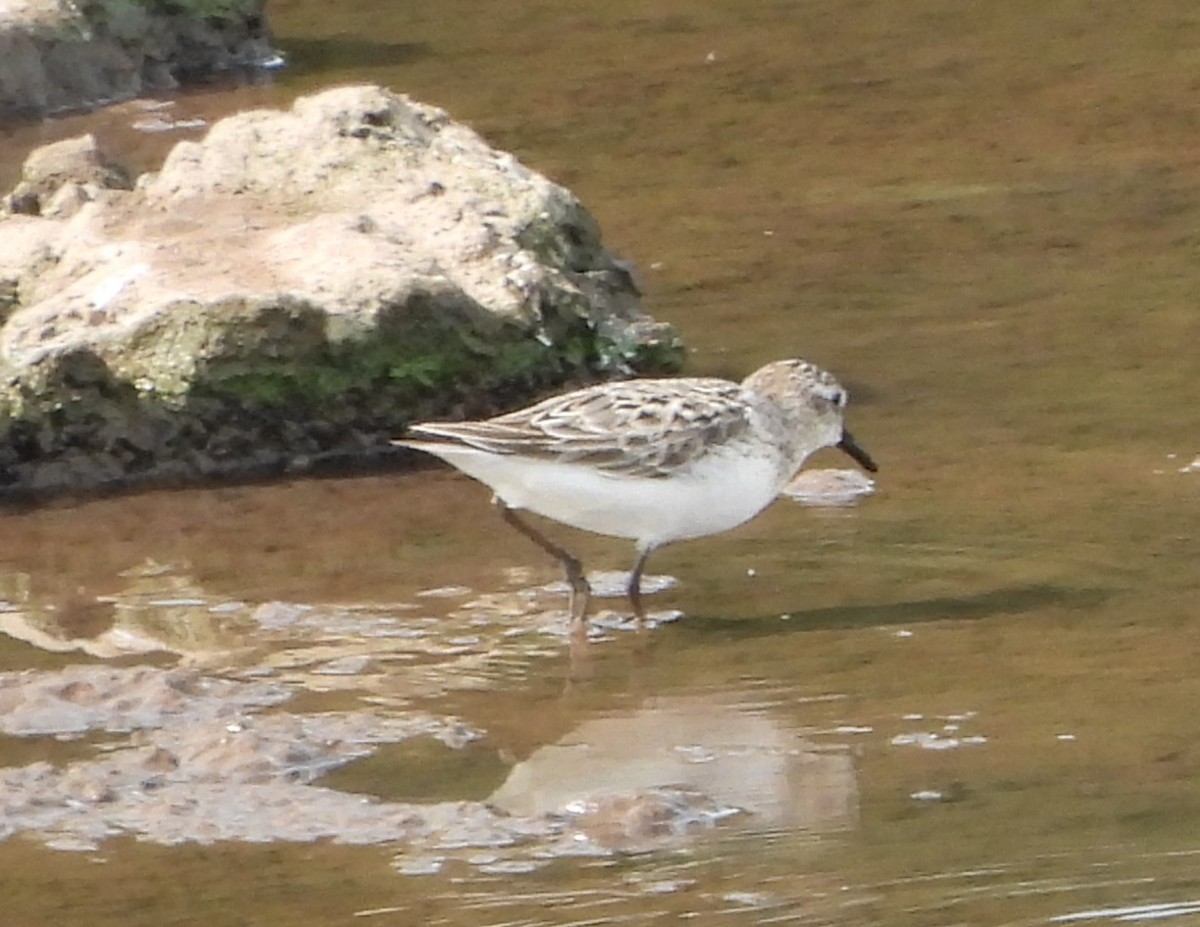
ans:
x=344 y=666
x=750 y=899
x=948 y=738
x=611 y=584
x=666 y=886
x=510 y=867
x=445 y=592
x=419 y=865
x=829 y=488
x=695 y=753
x=925 y=740
x=1138 y=912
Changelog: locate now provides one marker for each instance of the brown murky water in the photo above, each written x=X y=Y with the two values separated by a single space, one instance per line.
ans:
x=970 y=699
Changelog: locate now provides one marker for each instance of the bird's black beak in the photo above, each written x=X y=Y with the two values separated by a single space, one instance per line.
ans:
x=850 y=446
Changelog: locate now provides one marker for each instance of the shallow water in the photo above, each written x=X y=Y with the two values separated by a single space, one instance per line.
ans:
x=968 y=699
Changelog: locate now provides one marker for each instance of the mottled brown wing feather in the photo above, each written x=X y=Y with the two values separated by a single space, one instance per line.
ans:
x=647 y=428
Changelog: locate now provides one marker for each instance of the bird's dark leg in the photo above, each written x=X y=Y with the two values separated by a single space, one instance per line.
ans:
x=580 y=590
x=634 y=589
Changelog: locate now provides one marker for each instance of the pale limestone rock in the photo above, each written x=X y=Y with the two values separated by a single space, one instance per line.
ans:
x=297 y=285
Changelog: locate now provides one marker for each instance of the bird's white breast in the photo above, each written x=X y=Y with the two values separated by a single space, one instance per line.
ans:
x=720 y=491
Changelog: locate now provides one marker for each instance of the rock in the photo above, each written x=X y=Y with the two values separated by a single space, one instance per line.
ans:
x=58 y=178
x=59 y=54
x=297 y=286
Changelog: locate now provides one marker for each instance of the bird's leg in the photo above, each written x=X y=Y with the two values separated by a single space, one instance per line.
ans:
x=580 y=590
x=634 y=589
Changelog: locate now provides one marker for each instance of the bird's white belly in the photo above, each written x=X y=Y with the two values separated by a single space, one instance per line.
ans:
x=721 y=492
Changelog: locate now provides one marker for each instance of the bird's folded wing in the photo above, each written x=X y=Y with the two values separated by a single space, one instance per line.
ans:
x=647 y=428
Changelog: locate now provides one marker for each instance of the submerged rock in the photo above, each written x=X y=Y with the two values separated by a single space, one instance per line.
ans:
x=295 y=287
x=205 y=759
x=199 y=765
x=218 y=746
x=203 y=763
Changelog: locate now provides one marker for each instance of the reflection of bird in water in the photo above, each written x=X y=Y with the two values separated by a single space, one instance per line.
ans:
x=651 y=460
x=674 y=762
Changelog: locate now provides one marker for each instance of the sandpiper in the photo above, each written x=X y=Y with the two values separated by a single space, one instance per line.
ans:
x=651 y=460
